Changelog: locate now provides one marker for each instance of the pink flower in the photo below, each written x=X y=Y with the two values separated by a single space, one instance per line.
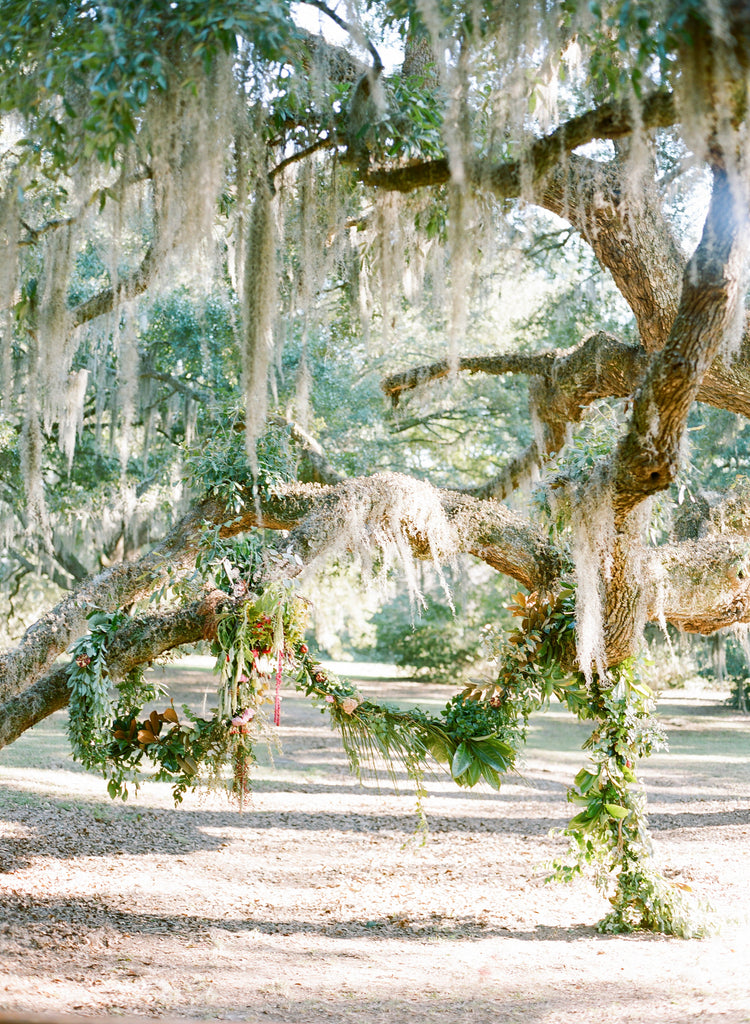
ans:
x=349 y=705
x=330 y=699
x=243 y=717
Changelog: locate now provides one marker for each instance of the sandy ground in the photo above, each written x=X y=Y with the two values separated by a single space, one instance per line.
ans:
x=320 y=902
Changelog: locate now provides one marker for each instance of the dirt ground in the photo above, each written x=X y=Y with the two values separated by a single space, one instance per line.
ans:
x=320 y=903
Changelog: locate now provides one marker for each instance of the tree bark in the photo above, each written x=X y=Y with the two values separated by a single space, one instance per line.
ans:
x=648 y=456
x=317 y=516
x=137 y=643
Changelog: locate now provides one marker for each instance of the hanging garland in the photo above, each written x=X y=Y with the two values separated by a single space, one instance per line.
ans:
x=255 y=646
x=609 y=835
x=477 y=736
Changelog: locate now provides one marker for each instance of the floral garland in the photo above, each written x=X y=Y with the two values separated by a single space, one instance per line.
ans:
x=476 y=737
x=255 y=646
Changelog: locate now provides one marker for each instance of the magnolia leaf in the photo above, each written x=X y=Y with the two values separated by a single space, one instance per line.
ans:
x=490 y=775
x=584 y=780
x=581 y=822
x=490 y=756
x=461 y=760
x=616 y=811
x=440 y=747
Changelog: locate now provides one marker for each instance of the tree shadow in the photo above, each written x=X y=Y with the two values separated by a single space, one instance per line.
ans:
x=440 y=785
x=79 y=915
x=99 y=829
x=659 y=822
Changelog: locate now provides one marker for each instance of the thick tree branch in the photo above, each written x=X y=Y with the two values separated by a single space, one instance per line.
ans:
x=177 y=384
x=138 y=642
x=623 y=221
x=564 y=383
x=324 y=520
x=700 y=586
x=389 y=510
x=648 y=456
x=506 y=180
x=354 y=31
x=104 y=301
x=126 y=582
x=314 y=52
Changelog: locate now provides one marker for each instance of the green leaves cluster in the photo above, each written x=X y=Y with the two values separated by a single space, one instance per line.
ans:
x=220 y=466
x=412 y=127
x=90 y=705
x=441 y=646
x=627 y=46
x=609 y=833
x=481 y=757
x=82 y=72
x=464 y=738
x=180 y=753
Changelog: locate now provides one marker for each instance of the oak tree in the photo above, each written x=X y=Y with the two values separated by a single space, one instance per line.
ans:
x=206 y=207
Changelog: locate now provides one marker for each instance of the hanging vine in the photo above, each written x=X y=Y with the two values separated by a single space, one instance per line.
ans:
x=609 y=834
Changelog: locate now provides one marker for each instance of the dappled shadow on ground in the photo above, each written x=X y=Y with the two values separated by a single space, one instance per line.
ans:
x=100 y=830
x=695 y=819
x=544 y=1005
x=86 y=914
x=444 y=784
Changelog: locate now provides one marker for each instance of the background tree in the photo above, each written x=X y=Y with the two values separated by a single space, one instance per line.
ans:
x=220 y=229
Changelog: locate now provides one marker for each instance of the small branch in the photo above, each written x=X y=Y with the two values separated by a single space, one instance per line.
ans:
x=512 y=362
x=52 y=225
x=104 y=301
x=328 y=143
x=518 y=471
x=176 y=384
x=322 y=470
x=356 y=33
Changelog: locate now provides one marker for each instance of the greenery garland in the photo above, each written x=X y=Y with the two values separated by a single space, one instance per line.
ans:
x=477 y=736
x=90 y=705
x=609 y=835
x=254 y=646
